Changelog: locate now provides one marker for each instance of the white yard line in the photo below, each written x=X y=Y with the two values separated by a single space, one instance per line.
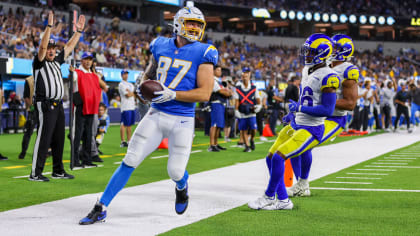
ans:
x=410 y=167
x=388 y=163
x=351 y=177
x=394 y=160
x=367 y=174
x=149 y=209
x=336 y=182
x=376 y=169
x=401 y=158
x=368 y=189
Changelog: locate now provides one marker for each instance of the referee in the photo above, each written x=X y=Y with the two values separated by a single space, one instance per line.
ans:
x=49 y=91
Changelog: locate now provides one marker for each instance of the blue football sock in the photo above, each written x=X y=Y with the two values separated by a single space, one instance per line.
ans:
x=306 y=163
x=268 y=161
x=180 y=184
x=277 y=174
x=296 y=165
x=116 y=183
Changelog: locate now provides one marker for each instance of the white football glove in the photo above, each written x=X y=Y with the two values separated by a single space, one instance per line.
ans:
x=237 y=114
x=258 y=108
x=165 y=95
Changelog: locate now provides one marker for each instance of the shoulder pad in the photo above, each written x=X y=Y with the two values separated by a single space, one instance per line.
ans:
x=352 y=72
x=331 y=80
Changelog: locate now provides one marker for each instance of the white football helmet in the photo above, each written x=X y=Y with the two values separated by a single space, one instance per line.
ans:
x=189 y=14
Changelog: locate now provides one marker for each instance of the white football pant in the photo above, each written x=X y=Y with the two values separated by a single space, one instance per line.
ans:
x=149 y=133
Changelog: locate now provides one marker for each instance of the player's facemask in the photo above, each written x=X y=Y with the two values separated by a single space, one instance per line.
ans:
x=192 y=33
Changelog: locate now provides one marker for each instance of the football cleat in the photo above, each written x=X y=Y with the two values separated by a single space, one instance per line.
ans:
x=181 y=201
x=220 y=147
x=261 y=202
x=38 y=178
x=63 y=175
x=300 y=189
x=97 y=214
x=280 y=205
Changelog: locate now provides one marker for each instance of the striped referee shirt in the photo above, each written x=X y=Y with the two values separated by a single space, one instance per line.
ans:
x=48 y=78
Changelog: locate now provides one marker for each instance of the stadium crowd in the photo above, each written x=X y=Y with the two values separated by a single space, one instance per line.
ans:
x=20 y=34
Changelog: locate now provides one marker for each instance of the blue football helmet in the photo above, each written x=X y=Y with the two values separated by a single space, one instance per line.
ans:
x=316 y=49
x=343 y=47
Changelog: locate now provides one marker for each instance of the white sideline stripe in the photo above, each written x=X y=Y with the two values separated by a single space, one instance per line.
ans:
x=48 y=173
x=393 y=160
x=148 y=209
x=367 y=173
x=388 y=163
x=336 y=182
x=376 y=169
x=157 y=157
x=350 y=177
x=401 y=158
x=368 y=189
x=403 y=155
x=409 y=167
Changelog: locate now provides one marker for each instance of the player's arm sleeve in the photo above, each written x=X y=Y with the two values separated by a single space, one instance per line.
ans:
x=351 y=73
x=211 y=55
x=328 y=99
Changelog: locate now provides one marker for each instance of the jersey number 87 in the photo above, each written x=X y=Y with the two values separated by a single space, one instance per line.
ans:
x=165 y=63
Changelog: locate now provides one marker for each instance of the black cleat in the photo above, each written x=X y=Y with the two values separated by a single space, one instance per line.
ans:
x=247 y=149
x=213 y=149
x=97 y=159
x=181 y=201
x=252 y=146
x=63 y=175
x=38 y=178
x=220 y=147
x=97 y=214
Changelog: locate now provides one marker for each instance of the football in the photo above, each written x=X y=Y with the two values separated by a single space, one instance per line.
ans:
x=149 y=87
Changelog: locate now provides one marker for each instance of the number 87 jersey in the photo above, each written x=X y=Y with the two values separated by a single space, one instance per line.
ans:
x=177 y=69
x=313 y=82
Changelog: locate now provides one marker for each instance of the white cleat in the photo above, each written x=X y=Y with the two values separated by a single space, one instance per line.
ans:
x=300 y=189
x=286 y=204
x=262 y=202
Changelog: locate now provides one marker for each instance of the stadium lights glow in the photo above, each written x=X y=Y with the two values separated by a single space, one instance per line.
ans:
x=260 y=13
x=372 y=20
x=325 y=17
x=352 y=19
x=381 y=20
x=308 y=16
x=283 y=14
x=300 y=15
x=362 y=19
x=343 y=18
x=317 y=16
x=390 y=20
x=334 y=18
x=292 y=15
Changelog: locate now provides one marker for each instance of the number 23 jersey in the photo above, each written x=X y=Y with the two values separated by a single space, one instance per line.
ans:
x=177 y=69
x=311 y=92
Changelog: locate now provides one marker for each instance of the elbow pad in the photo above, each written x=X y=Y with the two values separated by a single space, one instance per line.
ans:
x=325 y=109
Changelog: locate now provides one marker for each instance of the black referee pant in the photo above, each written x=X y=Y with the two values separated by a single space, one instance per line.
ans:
x=402 y=110
x=83 y=132
x=30 y=124
x=50 y=133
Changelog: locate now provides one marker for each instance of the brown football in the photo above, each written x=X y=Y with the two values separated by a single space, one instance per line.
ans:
x=149 y=87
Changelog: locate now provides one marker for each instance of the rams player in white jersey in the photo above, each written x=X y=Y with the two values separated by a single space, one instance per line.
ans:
x=346 y=101
x=316 y=102
x=184 y=67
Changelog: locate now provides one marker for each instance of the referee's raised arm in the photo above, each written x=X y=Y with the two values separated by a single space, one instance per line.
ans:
x=80 y=25
x=42 y=51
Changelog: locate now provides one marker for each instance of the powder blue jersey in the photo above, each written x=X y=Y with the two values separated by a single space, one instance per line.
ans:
x=177 y=69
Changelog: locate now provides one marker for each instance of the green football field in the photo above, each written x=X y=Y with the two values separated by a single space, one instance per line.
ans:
x=327 y=211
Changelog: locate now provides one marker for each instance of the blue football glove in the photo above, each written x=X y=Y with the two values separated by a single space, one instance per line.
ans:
x=165 y=95
x=288 y=118
x=293 y=106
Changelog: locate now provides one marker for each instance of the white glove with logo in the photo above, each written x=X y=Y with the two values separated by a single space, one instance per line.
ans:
x=165 y=95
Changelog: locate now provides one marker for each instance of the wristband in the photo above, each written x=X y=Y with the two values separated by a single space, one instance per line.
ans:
x=49 y=26
x=79 y=31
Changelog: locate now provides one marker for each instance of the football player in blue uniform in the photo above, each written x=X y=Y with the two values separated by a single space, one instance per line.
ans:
x=346 y=101
x=184 y=67
x=316 y=102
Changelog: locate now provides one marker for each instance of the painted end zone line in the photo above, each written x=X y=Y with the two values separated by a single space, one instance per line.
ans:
x=368 y=189
x=367 y=173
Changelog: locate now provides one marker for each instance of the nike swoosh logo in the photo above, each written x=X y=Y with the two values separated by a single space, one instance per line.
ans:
x=183 y=121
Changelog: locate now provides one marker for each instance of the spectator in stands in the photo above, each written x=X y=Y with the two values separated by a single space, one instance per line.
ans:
x=401 y=99
x=116 y=101
x=128 y=107
x=217 y=103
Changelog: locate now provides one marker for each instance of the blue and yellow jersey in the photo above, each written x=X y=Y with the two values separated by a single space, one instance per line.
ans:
x=311 y=92
x=346 y=71
x=177 y=69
